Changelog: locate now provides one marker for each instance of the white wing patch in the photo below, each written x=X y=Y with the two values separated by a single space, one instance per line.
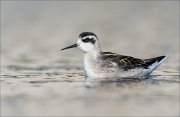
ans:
x=114 y=64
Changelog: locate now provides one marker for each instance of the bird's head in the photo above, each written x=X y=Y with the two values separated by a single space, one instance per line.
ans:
x=87 y=42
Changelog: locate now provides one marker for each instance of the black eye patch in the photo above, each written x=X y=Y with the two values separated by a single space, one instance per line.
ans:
x=91 y=40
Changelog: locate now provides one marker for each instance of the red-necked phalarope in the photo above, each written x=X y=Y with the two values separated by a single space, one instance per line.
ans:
x=107 y=64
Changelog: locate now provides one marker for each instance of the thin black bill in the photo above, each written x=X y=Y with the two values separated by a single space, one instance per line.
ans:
x=71 y=46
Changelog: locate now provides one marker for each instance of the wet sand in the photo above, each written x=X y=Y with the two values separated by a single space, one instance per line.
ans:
x=39 y=80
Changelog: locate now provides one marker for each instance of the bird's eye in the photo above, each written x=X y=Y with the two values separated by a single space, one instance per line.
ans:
x=91 y=40
x=86 y=40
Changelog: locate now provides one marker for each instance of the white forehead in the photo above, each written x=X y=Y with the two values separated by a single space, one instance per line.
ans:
x=89 y=36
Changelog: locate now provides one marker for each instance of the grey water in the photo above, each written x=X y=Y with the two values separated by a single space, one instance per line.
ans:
x=37 y=79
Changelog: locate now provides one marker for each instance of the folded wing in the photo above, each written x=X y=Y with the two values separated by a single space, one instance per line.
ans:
x=125 y=62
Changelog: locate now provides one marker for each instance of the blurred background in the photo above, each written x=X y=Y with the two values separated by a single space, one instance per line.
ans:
x=33 y=32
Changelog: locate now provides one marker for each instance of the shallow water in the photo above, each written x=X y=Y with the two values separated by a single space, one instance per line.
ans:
x=38 y=79
x=56 y=91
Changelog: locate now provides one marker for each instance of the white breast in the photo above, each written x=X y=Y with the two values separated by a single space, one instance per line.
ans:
x=90 y=67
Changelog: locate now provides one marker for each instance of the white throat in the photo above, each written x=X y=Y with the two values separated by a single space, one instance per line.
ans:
x=94 y=53
x=91 y=61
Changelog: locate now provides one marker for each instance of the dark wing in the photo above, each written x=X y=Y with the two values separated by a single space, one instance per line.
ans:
x=124 y=62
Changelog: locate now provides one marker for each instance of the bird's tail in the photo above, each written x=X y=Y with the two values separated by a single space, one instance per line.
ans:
x=153 y=63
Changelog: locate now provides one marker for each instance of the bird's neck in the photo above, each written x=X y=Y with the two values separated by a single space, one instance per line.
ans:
x=94 y=54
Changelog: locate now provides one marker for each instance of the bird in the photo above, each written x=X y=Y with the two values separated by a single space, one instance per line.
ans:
x=107 y=64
